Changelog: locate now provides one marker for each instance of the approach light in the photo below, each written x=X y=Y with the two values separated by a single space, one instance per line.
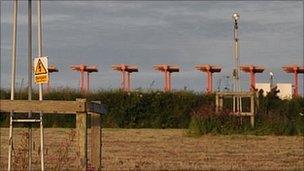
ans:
x=235 y=16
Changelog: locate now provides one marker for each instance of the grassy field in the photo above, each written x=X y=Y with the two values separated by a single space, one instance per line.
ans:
x=171 y=149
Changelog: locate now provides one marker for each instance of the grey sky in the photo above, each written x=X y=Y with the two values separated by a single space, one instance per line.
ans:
x=147 y=33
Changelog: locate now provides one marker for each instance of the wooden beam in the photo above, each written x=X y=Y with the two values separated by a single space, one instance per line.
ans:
x=46 y=106
x=236 y=94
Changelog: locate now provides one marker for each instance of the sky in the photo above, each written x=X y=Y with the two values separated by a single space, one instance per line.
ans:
x=146 y=33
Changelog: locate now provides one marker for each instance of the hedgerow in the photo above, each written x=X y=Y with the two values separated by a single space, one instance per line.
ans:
x=178 y=109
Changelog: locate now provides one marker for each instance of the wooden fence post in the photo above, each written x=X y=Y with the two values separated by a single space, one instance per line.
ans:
x=216 y=103
x=252 y=110
x=81 y=125
x=96 y=140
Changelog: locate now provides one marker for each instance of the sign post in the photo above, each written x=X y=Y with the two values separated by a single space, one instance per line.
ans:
x=41 y=77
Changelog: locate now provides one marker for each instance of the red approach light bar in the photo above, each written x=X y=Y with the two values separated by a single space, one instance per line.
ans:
x=295 y=69
x=209 y=69
x=126 y=71
x=252 y=69
x=167 y=70
x=84 y=68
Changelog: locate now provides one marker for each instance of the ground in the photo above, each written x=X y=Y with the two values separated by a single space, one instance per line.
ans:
x=170 y=149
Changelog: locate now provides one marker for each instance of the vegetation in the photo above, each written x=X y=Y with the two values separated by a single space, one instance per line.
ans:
x=179 y=109
x=274 y=116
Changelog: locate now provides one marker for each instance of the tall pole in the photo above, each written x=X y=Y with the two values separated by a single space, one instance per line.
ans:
x=129 y=82
x=236 y=60
x=0 y=58
x=81 y=81
x=169 y=80
x=30 y=144
x=88 y=81
x=166 y=81
x=123 y=80
x=13 y=79
x=296 y=84
x=209 y=80
x=39 y=36
x=48 y=83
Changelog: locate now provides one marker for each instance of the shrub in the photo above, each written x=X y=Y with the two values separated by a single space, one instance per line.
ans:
x=275 y=116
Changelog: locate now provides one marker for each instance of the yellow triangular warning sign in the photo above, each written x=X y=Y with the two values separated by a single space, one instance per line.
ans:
x=40 y=69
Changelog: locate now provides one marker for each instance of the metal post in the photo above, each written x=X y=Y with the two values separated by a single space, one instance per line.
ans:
x=48 y=84
x=13 y=79
x=88 y=81
x=296 y=83
x=252 y=80
x=209 y=81
x=216 y=103
x=165 y=81
x=123 y=80
x=169 y=80
x=0 y=58
x=81 y=80
x=233 y=103
x=129 y=82
x=40 y=85
x=30 y=137
x=271 y=80
x=236 y=59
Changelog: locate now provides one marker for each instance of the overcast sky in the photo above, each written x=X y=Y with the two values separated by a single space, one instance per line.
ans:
x=148 y=33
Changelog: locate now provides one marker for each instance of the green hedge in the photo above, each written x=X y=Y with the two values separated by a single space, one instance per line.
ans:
x=178 y=109
x=138 y=109
x=274 y=117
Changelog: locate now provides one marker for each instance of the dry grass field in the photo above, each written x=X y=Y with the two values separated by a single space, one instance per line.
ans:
x=168 y=149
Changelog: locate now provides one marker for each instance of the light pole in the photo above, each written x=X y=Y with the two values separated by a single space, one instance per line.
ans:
x=236 y=59
x=236 y=63
x=271 y=80
x=13 y=80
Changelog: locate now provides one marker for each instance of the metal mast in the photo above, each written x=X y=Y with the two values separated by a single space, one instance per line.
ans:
x=30 y=141
x=39 y=43
x=236 y=57
x=13 y=79
x=236 y=64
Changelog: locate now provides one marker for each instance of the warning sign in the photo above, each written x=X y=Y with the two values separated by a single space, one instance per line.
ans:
x=41 y=70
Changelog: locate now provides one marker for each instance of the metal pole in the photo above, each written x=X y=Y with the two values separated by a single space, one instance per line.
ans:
x=123 y=80
x=30 y=137
x=236 y=71
x=48 y=83
x=40 y=85
x=0 y=59
x=13 y=79
x=209 y=81
x=129 y=82
x=81 y=80
x=296 y=93
x=88 y=82
x=165 y=81
x=169 y=80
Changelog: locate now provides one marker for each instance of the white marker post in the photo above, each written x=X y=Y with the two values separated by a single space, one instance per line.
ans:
x=13 y=79
x=30 y=79
x=39 y=42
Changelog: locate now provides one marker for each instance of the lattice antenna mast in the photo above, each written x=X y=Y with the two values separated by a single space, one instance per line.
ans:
x=236 y=55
